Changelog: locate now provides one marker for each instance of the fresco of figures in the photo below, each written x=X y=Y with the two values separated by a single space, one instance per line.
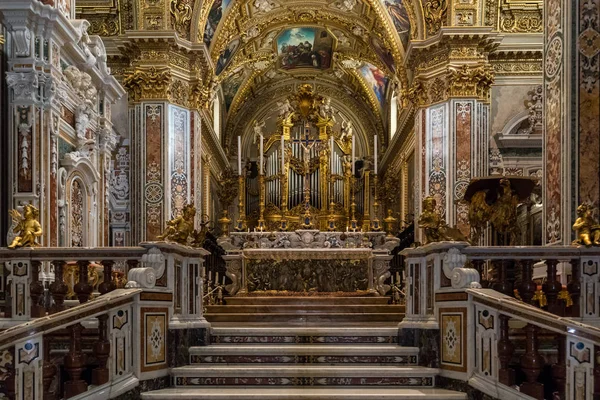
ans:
x=376 y=80
x=399 y=16
x=305 y=47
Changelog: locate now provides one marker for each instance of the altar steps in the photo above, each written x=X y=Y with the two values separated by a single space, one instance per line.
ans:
x=315 y=309
x=284 y=362
x=300 y=354
x=305 y=393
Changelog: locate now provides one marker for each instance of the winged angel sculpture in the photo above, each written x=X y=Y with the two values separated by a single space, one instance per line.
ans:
x=26 y=226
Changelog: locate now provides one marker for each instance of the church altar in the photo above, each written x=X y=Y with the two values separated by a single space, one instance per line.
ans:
x=308 y=263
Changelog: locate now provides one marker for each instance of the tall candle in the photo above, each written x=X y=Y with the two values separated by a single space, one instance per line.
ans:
x=282 y=155
x=261 y=154
x=375 y=146
x=331 y=154
x=353 y=150
x=239 y=155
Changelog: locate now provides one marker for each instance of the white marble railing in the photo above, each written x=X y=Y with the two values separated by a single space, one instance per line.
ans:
x=478 y=327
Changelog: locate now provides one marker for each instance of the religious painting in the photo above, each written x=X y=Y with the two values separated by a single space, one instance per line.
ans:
x=384 y=54
x=230 y=87
x=217 y=11
x=399 y=16
x=305 y=48
x=376 y=80
x=226 y=56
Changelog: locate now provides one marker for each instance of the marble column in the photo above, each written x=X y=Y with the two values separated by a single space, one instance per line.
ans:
x=451 y=121
x=572 y=114
x=165 y=144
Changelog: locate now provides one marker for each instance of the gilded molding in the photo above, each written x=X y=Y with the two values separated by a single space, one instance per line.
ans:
x=181 y=16
x=521 y=21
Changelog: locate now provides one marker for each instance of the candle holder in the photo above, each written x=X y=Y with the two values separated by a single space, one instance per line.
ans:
x=389 y=221
x=375 y=225
x=261 y=204
x=224 y=221
x=331 y=222
x=240 y=225
x=283 y=225
x=353 y=222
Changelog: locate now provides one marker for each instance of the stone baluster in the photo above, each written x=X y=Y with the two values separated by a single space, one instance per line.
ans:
x=528 y=287
x=503 y=284
x=478 y=265
x=75 y=362
x=48 y=371
x=559 y=369
x=36 y=291
x=100 y=375
x=107 y=284
x=531 y=364
x=552 y=287
x=574 y=288
x=506 y=374
x=82 y=288
x=58 y=288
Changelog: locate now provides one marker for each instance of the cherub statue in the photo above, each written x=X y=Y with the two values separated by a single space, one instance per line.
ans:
x=284 y=109
x=181 y=227
x=27 y=226
x=436 y=229
x=347 y=130
x=588 y=232
x=258 y=130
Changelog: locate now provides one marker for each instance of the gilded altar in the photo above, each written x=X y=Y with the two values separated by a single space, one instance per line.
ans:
x=308 y=263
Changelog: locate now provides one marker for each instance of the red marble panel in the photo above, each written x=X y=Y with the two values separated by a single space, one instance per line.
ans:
x=589 y=104
x=24 y=151
x=463 y=112
x=154 y=193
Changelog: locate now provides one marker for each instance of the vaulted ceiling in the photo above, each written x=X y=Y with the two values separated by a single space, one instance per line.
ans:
x=351 y=50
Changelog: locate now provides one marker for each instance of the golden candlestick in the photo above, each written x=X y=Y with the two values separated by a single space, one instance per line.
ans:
x=240 y=225
x=283 y=226
x=261 y=204
x=375 y=225
x=224 y=221
x=353 y=221
x=331 y=223
x=389 y=223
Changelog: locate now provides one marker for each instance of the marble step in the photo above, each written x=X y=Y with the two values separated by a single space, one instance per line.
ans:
x=305 y=308
x=306 y=375
x=292 y=335
x=305 y=393
x=308 y=300
x=293 y=317
x=304 y=354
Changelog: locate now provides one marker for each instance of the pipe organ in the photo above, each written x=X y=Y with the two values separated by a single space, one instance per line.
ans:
x=307 y=180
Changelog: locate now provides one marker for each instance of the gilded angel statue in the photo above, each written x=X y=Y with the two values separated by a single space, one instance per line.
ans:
x=180 y=228
x=587 y=230
x=27 y=227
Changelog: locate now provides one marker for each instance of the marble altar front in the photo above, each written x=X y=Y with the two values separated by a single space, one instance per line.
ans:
x=308 y=262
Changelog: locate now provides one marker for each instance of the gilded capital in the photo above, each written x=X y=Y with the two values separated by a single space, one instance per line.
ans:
x=152 y=83
x=470 y=81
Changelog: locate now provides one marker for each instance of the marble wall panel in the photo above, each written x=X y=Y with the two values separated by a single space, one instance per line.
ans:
x=453 y=338
x=587 y=72
x=154 y=188
x=179 y=159
x=554 y=121
x=436 y=144
x=463 y=115
x=153 y=341
x=506 y=102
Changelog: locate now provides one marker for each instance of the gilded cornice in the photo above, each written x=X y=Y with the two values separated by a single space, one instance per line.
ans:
x=521 y=16
x=517 y=63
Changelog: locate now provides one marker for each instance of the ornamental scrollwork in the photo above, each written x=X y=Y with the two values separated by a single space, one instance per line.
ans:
x=181 y=16
x=466 y=81
x=435 y=12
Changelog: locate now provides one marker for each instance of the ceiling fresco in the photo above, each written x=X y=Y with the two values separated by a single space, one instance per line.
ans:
x=356 y=46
